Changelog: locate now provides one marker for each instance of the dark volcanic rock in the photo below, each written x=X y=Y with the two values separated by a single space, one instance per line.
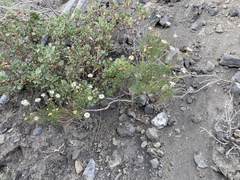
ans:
x=213 y=10
x=126 y=129
x=233 y=11
x=230 y=61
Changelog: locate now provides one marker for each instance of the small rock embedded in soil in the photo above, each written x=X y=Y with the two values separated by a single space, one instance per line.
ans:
x=195 y=26
x=236 y=133
x=154 y=163
x=126 y=129
x=219 y=29
x=142 y=100
x=3 y=99
x=165 y=22
x=230 y=60
x=200 y=161
x=233 y=11
x=144 y=144
x=89 y=170
x=148 y=109
x=210 y=66
x=157 y=145
x=2 y=138
x=123 y=117
x=152 y=134
x=236 y=77
x=37 y=131
x=160 y=121
x=155 y=152
x=78 y=167
x=213 y=10
x=75 y=154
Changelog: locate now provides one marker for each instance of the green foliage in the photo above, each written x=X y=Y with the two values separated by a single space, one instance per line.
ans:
x=67 y=60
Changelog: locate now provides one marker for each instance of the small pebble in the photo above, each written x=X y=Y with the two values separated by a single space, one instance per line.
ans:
x=144 y=144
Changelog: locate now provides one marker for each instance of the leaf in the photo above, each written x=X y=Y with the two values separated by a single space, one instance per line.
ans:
x=61 y=63
x=38 y=71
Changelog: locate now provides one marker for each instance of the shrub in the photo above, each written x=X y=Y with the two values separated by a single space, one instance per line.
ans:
x=66 y=60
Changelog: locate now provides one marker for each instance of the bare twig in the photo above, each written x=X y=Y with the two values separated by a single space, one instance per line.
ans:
x=109 y=104
x=210 y=134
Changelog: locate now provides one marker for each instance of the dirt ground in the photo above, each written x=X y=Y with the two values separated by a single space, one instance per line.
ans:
x=122 y=141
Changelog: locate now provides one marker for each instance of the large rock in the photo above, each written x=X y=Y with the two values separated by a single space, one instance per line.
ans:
x=126 y=129
x=160 y=120
x=230 y=60
x=152 y=134
x=89 y=170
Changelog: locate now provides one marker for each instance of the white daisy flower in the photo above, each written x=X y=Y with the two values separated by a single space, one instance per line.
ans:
x=73 y=84
x=51 y=92
x=86 y=115
x=25 y=102
x=164 y=41
x=90 y=75
x=101 y=96
x=131 y=57
x=37 y=100
x=57 y=96
x=90 y=98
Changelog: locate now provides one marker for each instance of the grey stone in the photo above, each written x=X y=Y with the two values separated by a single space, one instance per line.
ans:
x=196 y=69
x=195 y=119
x=154 y=18
x=123 y=117
x=186 y=62
x=195 y=26
x=172 y=121
x=233 y=11
x=4 y=127
x=152 y=134
x=210 y=66
x=144 y=144
x=164 y=21
x=183 y=108
x=148 y=109
x=2 y=138
x=75 y=154
x=155 y=152
x=192 y=13
x=131 y=113
x=142 y=100
x=126 y=129
x=236 y=77
x=219 y=29
x=200 y=161
x=189 y=99
x=237 y=176
x=157 y=145
x=160 y=121
x=115 y=160
x=3 y=98
x=89 y=171
x=230 y=61
x=37 y=131
x=154 y=163
x=213 y=10
x=195 y=83
x=235 y=88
